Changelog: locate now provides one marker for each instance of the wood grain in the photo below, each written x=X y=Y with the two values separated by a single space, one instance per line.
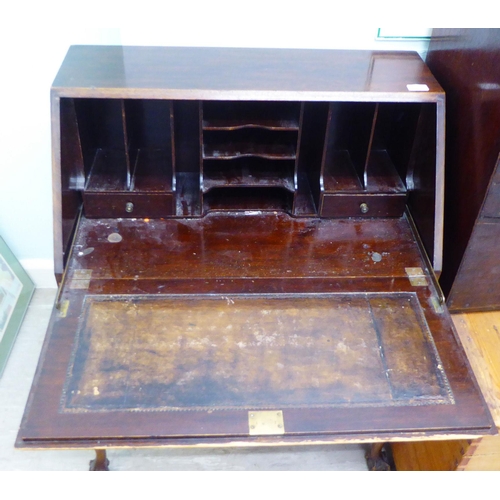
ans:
x=429 y=455
x=480 y=336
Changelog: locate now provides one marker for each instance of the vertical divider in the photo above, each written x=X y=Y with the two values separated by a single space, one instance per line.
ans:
x=126 y=146
x=425 y=181
x=348 y=139
x=186 y=131
x=327 y=146
x=172 y=145
x=358 y=121
x=301 y=190
x=312 y=139
x=68 y=188
x=370 y=145
x=297 y=150
x=201 y=145
x=71 y=146
x=327 y=152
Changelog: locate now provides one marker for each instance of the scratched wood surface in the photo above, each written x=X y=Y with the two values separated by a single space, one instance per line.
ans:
x=402 y=372
x=249 y=245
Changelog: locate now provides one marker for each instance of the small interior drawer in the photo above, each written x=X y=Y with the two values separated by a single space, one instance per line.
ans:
x=363 y=205
x=128 y=204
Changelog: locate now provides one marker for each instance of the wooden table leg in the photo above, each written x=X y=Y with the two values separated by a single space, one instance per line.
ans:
x=376 y=458
x=100 y=462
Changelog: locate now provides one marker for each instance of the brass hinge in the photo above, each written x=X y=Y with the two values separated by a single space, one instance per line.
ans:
x=416 y=276
x=63 y=308
x=266 y=422
x=81 y=279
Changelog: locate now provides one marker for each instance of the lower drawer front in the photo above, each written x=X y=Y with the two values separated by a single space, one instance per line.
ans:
x=128 y=205
x=362 y=205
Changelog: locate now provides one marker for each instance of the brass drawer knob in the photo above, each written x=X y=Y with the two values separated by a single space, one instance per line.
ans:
x=129 y=207
x=364 y=208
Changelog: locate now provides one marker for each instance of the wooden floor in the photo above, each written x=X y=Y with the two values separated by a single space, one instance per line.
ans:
x=480 y=336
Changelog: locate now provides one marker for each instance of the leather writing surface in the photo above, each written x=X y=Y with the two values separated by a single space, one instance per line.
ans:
x=219 y=352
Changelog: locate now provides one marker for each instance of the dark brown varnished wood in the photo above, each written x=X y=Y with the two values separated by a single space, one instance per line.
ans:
x=113 y=80
x=476 y=284
x=258 y=74
x=284 y=264
x=239 y=245
x=249 y=240
x=467 y=64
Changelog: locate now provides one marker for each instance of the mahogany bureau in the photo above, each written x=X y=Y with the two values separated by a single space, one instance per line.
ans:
x=246 y=243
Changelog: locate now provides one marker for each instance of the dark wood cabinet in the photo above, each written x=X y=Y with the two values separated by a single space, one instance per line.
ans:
x=467 y=64
x=246 y=243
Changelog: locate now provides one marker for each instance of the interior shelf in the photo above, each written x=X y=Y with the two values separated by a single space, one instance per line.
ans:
x=248 y=199
x=339 y=173
x=152 y=171
x=241 y=115
x=381 y=176
x=108 y=172
x=237 y=150
x=222 y=145
x=248 y=172
x=249 y=153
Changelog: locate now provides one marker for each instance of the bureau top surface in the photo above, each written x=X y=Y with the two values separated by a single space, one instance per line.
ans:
x=252 y=74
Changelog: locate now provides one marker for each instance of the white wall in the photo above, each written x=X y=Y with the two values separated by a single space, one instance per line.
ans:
x=31 y=52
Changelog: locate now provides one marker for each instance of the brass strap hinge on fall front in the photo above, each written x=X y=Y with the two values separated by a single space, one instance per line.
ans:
x=63 y=308
x=262 y=423
x=416 y=276
x=81 y=279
